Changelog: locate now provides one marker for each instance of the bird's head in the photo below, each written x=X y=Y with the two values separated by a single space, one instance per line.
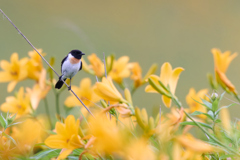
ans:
x=77 y=54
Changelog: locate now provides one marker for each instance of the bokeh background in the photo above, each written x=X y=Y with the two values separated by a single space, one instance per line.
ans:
x=148 y=31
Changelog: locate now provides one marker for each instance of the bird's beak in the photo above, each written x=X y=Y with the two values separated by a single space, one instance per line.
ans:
x=83 y=53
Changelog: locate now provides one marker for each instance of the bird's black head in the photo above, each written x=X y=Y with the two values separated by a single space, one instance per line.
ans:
x=77 y=54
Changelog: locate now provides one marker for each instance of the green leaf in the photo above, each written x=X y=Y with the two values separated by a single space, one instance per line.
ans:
x=6 y=135
x=73 y=157
x=210 y=113
x=226 y=156
x=14 y=124
x=50 y=153
x=158 y=88
x=224 y=107
x=77 y=152
x=39 y=144
x=218 y=121
x=199 y=113
x=11 y=119
x=194 y=124
x=202 y=104
x=215 y=105
x=207 y=104
x=220 y=98
x=3 y=121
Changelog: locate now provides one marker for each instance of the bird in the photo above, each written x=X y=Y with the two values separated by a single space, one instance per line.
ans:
x=70 y=65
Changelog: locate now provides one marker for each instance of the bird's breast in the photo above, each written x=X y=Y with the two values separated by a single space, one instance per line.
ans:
x=74 y=60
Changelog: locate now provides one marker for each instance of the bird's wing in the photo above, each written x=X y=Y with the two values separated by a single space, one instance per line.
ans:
x=80 y=66
x=63 y=61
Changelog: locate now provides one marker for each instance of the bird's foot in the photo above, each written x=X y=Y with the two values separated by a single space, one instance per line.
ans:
x=69 y=88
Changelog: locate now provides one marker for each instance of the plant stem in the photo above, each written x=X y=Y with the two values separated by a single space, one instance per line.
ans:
x=206 y=132
x=57 y=103
x=47 y=111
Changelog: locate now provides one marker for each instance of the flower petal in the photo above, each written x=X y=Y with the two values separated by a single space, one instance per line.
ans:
x=5 y=65
x=11 y=86
x=14 y=58
x=71 y=125
x=56 y=141
x=64 y=154
x=174 y=79
x=71 y=101
x=166 y=72
x=60 y=129
x=167 y=101
x=5 y=76
x=150 y=89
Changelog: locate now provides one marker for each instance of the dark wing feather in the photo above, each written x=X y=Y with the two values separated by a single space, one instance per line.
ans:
x=63 y=61
x=80 y=66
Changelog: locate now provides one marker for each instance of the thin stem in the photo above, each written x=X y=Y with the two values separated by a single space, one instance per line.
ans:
x=43 y=59
x=83 y=116
x=133 y=90
x=47 y=111
x=57 y=103
x=105 y=68
x=206 y=132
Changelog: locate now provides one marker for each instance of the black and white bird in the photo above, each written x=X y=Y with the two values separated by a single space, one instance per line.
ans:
x=70 y=65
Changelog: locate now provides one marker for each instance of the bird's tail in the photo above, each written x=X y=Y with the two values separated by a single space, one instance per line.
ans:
x=59 y=83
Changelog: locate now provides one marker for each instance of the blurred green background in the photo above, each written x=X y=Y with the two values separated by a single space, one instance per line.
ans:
x=153 y=31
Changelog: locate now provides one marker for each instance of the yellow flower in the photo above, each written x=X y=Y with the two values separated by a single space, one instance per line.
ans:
x=199 y=146
x=226 y=120
x=108 y=91
x=109 y=137
x=30 y=132
x=13 y=71
x=123 y=109
x=35 y=65
x=67 y=137
x=191 y=99
x=180 y=153
x=6 y=150
x=136 y=74
x=168 y=76
x=221 y=63
x=120 y=69
x=139 y=150
x=39 y=90
x=19 y=104
x=85 y=93
x=96 y=64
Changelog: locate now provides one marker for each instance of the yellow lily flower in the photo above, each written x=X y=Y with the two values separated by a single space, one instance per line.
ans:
x=7 y=151
x=35 y=65
x=180 y=153
x=120 y=69
x=221 y=63
x=13 y=71
x=226 y=120
x=194 y=106
x=96 y=64
x=168 y=76
x=19 y=104
x=109 y=137
x=139 y=150
x=39 y=90
x=136 y=74
x=108 y=91
x=30 y=132
x=85 y=93
x=199 y=146
x=67 y=137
